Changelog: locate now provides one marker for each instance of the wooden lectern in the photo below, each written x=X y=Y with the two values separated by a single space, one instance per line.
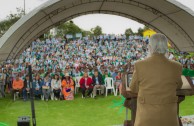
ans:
x=131 y=98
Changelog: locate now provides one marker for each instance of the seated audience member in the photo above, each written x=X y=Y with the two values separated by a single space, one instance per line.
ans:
x=46 y=86
x=68 y=87
x=114 y=74
x=5 y=72
x=76 y=73
x=18 y=85
x=90 y=72
x=26 y=88
x=9 y=80
x=37 y=85
x=56 y=86
x=118 y=82
x=2 y=83
x=98 y=83
x=105 y=75
x=86 y=85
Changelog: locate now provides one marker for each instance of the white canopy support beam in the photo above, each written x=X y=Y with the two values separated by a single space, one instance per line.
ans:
x=166 y=16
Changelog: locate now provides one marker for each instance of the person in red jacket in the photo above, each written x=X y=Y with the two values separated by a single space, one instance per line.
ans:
x=86 y=85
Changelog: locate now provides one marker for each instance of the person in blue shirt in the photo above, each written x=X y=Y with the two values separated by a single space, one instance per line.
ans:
x=37 y=86
x=114 y=74
x=98 y=83
x=46 y=86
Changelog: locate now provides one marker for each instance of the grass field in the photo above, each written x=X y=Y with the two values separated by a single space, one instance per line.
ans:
x=79 y=112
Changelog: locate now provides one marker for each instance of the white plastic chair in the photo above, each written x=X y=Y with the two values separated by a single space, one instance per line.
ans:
x=51 y=95
x=109 y=84
x=15 y=95
x=77 y=85
x=99 y=90
x=116 y=92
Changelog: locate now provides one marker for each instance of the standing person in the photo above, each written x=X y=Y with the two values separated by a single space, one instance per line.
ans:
x=46 y=86
x=2 y=83
x=26 y=88
x=86 y=85
x=156 y=80
x=56 y=86
x=98 y=83
x=68 y=87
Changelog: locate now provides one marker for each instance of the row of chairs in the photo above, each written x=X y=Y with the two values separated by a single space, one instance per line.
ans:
x=16 y=96
x=109 y=85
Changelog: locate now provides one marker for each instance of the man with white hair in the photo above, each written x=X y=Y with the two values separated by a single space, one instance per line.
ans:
x=156 y=80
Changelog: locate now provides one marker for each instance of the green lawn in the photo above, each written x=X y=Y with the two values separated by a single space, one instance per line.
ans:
x=80 y=112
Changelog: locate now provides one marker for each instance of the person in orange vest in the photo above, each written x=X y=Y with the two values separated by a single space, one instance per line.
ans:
x=18 y=85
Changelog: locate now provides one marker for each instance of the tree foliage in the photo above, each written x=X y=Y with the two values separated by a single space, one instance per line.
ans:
x=141 y=30
x=96 y=31
x=69 y=28
x=10 y=20
x=128 y=32
x=86 y=33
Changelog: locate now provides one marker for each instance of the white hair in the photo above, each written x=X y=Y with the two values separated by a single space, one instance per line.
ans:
x=158 y=44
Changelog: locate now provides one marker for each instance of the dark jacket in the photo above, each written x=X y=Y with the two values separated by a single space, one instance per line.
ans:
x=100 y=80
x=26 y=84
x=37 y=92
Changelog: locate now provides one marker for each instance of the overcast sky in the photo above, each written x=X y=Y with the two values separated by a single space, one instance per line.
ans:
x=109 y=23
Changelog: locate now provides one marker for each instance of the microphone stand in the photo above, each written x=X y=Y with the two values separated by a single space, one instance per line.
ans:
x=32 y=96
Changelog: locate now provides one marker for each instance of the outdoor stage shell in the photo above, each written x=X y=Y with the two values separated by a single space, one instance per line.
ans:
x=166 y=16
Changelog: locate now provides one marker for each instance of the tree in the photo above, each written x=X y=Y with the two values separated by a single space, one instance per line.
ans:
x=141 y=30
x=128 y=32
x=10 y=20
x=86 y=33
x=97 y=31
x=68 y=28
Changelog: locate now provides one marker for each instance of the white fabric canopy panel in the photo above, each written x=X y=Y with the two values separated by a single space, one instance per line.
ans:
x=166 y=16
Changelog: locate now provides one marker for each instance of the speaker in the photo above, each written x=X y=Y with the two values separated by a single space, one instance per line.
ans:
x=24 y=121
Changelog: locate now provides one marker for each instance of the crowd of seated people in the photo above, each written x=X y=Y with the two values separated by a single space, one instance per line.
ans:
x=59 y=87
x=56 y=63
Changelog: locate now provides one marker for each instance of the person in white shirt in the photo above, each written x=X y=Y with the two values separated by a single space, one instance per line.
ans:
x=46 y=86
x=56 y=86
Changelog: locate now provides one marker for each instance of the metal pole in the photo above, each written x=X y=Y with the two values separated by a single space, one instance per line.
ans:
x=32 y=97
x=24 y=7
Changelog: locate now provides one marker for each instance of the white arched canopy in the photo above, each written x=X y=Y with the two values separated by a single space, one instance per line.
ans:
x=166 y=16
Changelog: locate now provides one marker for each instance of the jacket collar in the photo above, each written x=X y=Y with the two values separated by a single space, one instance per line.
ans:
x=158 y=55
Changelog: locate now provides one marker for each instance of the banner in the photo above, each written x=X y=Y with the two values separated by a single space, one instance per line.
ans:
x=69 y=36
x=78 y=35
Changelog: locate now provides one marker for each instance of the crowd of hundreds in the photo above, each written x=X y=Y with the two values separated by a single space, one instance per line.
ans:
x=56 y=63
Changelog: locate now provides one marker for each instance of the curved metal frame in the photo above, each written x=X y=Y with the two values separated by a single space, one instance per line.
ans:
x=14 y=52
